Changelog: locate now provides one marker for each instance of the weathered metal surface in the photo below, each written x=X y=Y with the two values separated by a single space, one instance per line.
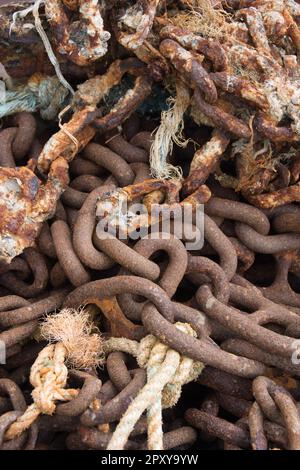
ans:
x=25 y=204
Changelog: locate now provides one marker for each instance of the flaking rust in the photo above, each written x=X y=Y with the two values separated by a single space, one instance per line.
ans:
x=252 y=72
x=83 y=41
x=136 y=23
x=112 y=207
x=205 y=160
x=73 y=136
x=113 y=213
x=25 y=203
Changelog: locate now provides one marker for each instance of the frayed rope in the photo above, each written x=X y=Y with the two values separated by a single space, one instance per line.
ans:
x=168 y=133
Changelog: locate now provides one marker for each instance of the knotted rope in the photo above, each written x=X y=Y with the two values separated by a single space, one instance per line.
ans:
x=34 y=9
x=48 y=376
x=41 y=92
x=167 y=372
x=78 y=345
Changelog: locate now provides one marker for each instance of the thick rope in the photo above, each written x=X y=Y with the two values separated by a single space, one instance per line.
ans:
x=48 y=376
x=154 y=411
x=42 y=93
x=167 y=372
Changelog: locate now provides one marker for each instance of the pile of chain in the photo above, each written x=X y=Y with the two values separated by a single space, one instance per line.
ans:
x=202 y=346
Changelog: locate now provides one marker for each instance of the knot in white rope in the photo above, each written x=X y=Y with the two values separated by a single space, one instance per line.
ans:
x=167 y=372
x=151 y=355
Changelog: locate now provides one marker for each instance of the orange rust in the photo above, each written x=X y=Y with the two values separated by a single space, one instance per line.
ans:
x=241 y=87
x=276 y=198
x=200 y=196
x=292 y=29
x=205 y=160
x=62 y=145
x=25 y=203
x=221 y=118
x=83 y=41
x=284 y=380
x=142 y=16
x=119 y=324
x=93 y=90
x=189 y=66
x=295 y=170
x=125 y=106
x=210 y=48
x=104 y=428
x=71 y=4
x=96 y=404
x=109 y=206
x=155 y=197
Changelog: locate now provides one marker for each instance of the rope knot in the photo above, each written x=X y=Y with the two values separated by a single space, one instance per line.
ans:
x=48 y=375
x=167 y=372
x=41 y=92
x=75 y=343
x=49 y=94
x=151 y=355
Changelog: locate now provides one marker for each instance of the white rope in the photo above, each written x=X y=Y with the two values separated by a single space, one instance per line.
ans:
x=48 y=47
x=154 y=412
x=167 y=372
x=65 y=130
x=77 y=344
x=168 y=133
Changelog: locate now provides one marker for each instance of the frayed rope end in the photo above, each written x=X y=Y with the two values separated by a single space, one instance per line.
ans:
x=81 y=339
x=170 y=132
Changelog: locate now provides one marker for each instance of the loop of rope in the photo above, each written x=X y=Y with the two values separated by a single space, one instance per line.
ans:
x=167 y=372
x=48 y=376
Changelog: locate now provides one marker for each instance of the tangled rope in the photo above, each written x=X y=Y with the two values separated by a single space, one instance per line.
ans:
x=167 y=372
x=49 y=377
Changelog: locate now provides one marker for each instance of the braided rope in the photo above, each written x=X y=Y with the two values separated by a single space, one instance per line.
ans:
x=48 y=376
x=167 y=372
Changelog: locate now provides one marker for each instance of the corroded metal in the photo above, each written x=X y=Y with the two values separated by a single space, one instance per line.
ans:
x=25 y=204
x=83 y=41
